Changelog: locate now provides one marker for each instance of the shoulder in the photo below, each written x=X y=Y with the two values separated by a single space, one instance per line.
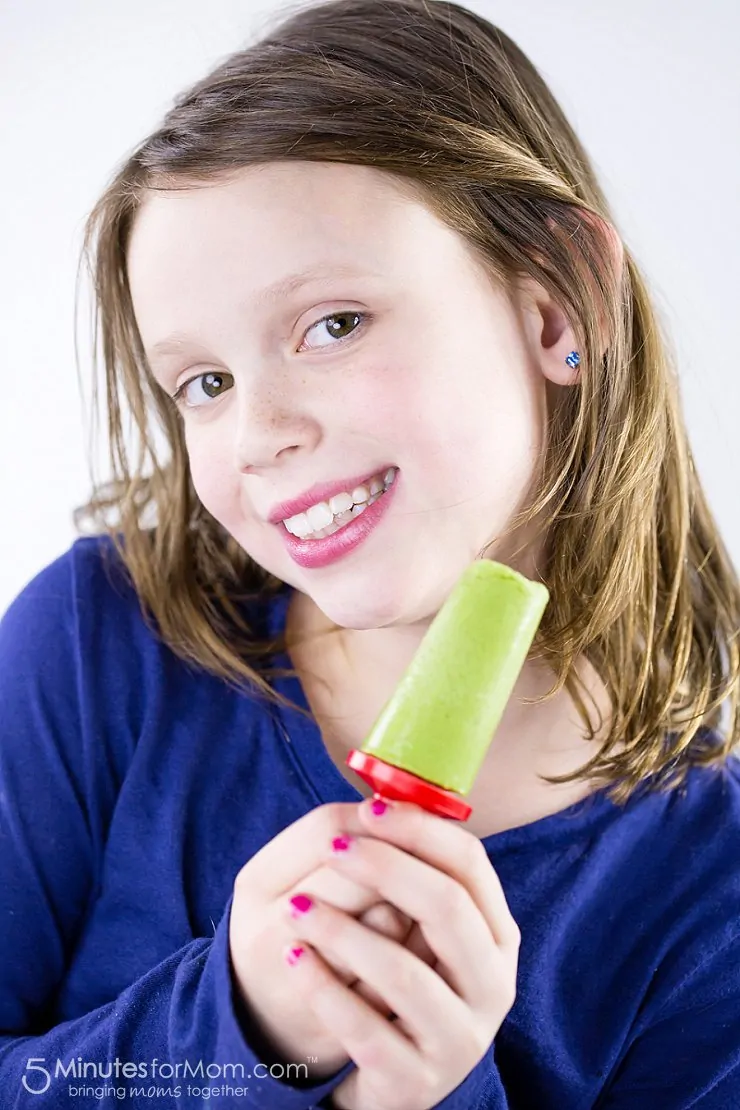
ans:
x=74 y=644
x=688 y=829
x=90 y=570
x=707 y=811
x=702 y=820
x=690 y=858
x=697 y=836
x=71 y=682
x=683 y=927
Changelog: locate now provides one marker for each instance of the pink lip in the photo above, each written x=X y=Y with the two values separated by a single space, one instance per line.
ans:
x=322 y=491
x=319 y=553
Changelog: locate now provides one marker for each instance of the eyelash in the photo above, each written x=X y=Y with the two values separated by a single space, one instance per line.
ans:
x=366 y=318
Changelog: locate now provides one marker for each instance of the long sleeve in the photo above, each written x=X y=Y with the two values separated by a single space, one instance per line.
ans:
x=685 y=1054
x=172 y=1030
x=133 y=788
x=52 y=827
x=482 y=1088
x=688 y=1053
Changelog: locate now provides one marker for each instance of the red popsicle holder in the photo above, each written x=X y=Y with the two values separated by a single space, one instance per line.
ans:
x=402 y=786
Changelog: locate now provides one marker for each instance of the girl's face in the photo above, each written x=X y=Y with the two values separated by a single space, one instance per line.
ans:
x=426 y=367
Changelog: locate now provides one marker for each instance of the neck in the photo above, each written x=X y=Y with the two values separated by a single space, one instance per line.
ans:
x=348 y=675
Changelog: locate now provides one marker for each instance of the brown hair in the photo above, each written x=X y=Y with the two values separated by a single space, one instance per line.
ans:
x=438 y=97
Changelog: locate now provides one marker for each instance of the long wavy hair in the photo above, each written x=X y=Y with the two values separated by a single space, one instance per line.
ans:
x=435 y=95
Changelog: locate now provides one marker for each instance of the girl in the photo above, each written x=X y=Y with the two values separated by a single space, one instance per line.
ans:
x=366 y=283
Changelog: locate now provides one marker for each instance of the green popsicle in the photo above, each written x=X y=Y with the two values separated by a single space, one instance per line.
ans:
x=440 y=720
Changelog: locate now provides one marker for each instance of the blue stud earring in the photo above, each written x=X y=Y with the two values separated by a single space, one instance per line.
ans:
x=573 y=359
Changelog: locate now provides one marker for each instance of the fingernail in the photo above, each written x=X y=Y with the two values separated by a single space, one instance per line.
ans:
x=341 y=843
x=300 y=904
x=378 y=807
x=294 y=954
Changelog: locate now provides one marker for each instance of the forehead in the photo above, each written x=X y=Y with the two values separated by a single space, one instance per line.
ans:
x=246 y=242
x=278 y=212
x=262 y=225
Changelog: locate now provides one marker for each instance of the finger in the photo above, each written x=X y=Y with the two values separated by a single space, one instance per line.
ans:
x=371 y=996
x=340 y=891
x=391 y=923
x=423 y=1001
x=296 y=851
x=375 y=1044
x=328 y=885
x=387 y=920
x=417 y=944
x=446 y=846
x=451 y=922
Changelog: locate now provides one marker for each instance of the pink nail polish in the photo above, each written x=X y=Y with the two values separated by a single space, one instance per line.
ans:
x=341 y=843
x=378 y=807
x=301 y=904
x=294 y=954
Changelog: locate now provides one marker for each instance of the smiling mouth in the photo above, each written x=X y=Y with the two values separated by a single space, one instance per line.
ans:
x=319 y=521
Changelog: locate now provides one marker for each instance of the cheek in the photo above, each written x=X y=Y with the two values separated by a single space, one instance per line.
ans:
x=373 y=404
x=476 y=433
x=211 y=468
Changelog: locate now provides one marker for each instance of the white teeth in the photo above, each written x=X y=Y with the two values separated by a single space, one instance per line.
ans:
x=318 y=516
x=340 y=508
x=340 y=503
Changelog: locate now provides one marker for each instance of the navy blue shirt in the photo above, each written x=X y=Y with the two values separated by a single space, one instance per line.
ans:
x=133 y=788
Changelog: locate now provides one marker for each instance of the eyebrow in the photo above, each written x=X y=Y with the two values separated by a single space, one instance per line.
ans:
x=271 y=295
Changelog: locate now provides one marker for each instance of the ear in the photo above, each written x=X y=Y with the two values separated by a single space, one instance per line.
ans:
x=548 y=328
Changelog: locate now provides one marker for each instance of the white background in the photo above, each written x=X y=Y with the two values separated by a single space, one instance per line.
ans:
x=652 y=87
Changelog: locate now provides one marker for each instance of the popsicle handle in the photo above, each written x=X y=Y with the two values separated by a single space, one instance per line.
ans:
x=402 y=786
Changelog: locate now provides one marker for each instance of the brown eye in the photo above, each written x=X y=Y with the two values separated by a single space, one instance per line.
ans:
x=340 y=325
x=212 y=385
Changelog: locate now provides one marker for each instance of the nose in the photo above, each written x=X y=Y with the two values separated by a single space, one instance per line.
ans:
x=268 y=423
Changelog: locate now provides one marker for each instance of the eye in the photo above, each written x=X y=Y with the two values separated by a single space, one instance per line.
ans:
x=338 y=323
x=210 y=382
x=214 y=384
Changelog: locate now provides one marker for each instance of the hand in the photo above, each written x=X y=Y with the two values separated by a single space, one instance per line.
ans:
x=291 y=861
x=328 y=885
x=447 y=1015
